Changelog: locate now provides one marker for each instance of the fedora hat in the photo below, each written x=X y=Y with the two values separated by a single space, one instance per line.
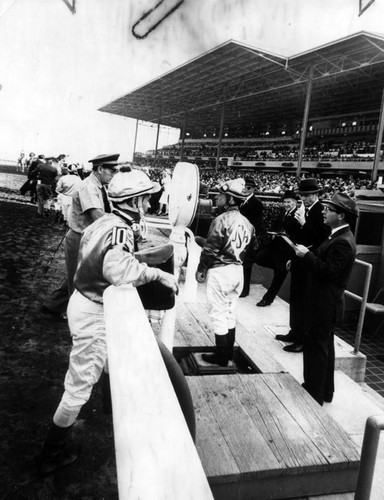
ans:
x=343 y=203
x=289 y=195
x=308 y=186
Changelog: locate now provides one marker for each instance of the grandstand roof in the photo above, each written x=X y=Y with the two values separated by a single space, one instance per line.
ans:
x=261 y=88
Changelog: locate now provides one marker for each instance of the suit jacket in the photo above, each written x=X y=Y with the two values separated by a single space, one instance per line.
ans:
x=288 y=223
x=329 y=267
x=252 y=209
x=314 y=231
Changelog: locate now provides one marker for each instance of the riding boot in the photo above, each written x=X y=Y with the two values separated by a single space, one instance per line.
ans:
x=58 y=451
x=106 y=394
x=231 y=342
x=221 y=355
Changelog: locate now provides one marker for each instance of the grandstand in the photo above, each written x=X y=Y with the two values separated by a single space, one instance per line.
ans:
x=243 y=107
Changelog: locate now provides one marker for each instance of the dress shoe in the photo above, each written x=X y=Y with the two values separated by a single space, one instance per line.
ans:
x=289 y=337
x=263 y=303
x=296 y=347
x=244 y=294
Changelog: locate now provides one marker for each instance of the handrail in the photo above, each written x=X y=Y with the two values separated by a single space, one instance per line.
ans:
x=373 y=426
x=363 y=300
x=156 y=458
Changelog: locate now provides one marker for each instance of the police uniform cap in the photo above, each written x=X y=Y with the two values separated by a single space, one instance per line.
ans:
x=235 y=188
x=125 y=185
x=108 y=161
x=343 y=203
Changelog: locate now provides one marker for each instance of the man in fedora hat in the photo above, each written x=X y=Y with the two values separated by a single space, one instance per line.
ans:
x=312 y=232
x=329 y=267
x=277 y=252
x=252 y=208
x=221 y=261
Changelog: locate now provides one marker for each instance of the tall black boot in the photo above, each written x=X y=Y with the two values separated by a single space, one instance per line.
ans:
x=221 y=356
x=106 y=394
x=231 y=342
x=58 y=451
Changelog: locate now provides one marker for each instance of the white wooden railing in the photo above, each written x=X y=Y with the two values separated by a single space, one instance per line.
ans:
x=155 y=454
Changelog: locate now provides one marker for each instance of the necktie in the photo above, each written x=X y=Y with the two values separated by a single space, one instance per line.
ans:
x=107 y=207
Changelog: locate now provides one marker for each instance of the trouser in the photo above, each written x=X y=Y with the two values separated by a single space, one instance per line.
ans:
x=247 y=274
x=58 y=300
x=43 y=193
x=298 y=303
x=87 y=359
x=319 y=363
x=224 y=285
x=274 y=256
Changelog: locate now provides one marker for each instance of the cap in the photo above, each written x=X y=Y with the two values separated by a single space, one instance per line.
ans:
x=105 y=160
x=289 y=195
x=125 y=185
x=235 y=188
x=343 y=203
x=308 y=186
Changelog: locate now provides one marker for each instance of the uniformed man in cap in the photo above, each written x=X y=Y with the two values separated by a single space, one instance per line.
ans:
x=89 y=202
x=329 y=267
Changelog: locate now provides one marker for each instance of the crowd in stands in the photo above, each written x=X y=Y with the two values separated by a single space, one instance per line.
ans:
x=279 y=182
x=289 y=151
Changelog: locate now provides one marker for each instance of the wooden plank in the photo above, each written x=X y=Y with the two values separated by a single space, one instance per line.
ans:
x=213 y=449
x=190 y=332
x=200 y=312
x=284 y=434
x=321 y=428
x=155 y=454
x=252 y=345
x=249 y=448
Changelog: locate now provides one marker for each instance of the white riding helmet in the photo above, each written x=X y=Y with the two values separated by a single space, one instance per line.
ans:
x=235 y=188
x=125 y=185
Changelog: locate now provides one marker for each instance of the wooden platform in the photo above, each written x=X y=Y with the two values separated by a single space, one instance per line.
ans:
x=261 y=436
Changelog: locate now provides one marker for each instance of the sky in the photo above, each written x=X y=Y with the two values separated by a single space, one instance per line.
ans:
x=58 y=68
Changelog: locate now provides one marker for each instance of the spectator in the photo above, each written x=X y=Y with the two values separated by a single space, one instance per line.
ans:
x=329 y=267
x=276 y=254
x=312 y=233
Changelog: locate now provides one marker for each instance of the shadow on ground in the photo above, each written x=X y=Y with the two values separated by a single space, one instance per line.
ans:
x=33 y=361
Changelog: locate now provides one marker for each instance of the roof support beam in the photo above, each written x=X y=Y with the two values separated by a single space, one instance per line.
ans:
x=183 y=135
x=305 y=121
x=220 y=137
x=157 y=139
x=379 y=138
x=134 y=142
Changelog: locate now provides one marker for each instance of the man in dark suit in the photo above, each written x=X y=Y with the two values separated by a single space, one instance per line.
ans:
x=252 y=209
x=277 y=252
x=329 y=268
x=313 y=231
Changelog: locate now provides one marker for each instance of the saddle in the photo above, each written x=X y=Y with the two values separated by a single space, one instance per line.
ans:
x=154 y=295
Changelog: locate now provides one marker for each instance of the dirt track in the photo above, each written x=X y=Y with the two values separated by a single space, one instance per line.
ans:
x=33 y=361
